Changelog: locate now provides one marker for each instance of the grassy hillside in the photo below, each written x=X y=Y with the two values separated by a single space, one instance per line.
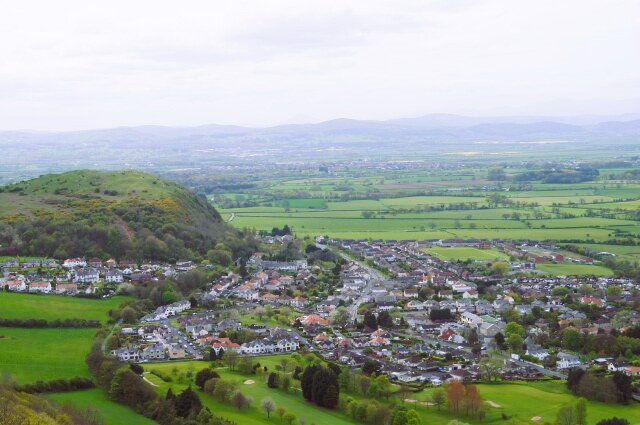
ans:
x=106 y=214
x=34 y=306
x=44 y=354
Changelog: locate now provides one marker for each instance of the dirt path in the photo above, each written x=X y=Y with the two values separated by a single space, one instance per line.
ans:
x=149 y=382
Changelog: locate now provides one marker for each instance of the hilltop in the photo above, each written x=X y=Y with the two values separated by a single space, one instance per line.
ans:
x=121 y=214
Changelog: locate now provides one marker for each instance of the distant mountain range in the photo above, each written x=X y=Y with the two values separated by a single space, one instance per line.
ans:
x=442 y=127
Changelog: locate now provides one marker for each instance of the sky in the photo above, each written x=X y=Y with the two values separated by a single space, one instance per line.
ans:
x=70 y=65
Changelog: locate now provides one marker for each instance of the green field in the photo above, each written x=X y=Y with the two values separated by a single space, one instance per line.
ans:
x=259 y=390
x=34 y=306
x=520 y=401
x=463 y=253
x=111 y=412
x=44 y=354
x=574 y=269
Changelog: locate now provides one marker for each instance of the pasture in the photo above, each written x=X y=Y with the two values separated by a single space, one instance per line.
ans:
x=110 y=412
x=574 y=269
x=463 y=253
x=44 y=354
x=50 y=307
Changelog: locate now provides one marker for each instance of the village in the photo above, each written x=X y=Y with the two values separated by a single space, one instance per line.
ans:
x=420 y=318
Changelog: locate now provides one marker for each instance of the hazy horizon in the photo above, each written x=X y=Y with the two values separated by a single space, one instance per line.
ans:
x=76 y=66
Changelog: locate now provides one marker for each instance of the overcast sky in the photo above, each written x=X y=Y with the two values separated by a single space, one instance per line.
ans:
x=87 y=64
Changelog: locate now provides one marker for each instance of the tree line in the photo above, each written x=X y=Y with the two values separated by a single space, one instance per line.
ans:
x=42 y=323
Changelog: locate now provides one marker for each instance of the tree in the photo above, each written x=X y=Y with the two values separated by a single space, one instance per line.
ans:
x=230 y=359
x=272 y=381
x=515 y=342
x=383 y=414
x=129 y=315
x=370 y=366
x=455 y=395
x=624 y=386
x=384 y=385
x=514 y=328
x=204 y=375
x=500 y=341
x=187 y=403
x=289 y=417
x=490 y=369
x=370 y=320
x=285 y=383
x=238 y=399
x=573 y=379
x=280 y=411
x=566 y=416
x=267 y=404
x=331 y=397
x=572 y=339
x=472 y=400
x=613 y=421
x=341 y=316
x=500 y=268
x=413 y=418
x=438 y=397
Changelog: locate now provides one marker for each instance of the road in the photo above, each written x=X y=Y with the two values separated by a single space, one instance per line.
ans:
x=376 y=277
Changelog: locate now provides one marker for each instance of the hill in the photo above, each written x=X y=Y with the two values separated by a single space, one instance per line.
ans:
x=121 y=214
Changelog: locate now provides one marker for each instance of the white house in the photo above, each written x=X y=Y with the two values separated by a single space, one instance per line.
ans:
x=42 y=287
x=88 y=275
x=114 y=276
x=567 y=361
x=66 y=288
x=70 y=263
x=17 y=285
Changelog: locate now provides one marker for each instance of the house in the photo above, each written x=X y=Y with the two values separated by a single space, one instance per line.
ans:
x=470 y=319
x=266 y=345
x=567 y=361
x=95 y=262
x=470 y=294
x=114 y=276
x=17 y=285
x=127 y=354
x=66 y=288
x=42 y=287
x=88 y=275
x=618 y=365
x=71 y=263
x=312 y=319
x=414 y=305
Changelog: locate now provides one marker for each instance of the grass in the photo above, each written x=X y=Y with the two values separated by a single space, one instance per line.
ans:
x=253 y=416
x=463 y=253
x=111 y=412
x=50 y=307
x=520 y=401
x=44 y=354
x=574 y=269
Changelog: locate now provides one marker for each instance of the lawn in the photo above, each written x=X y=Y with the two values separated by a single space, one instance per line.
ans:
x=111 y=412
x=574 y=269
x=520 y=401
x=44 y=354
x=463 y=253
x=259 y=390
x=50 y=307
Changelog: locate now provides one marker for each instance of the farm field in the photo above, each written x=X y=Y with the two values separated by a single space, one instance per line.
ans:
x=44 y=354
x=574 y=269
x=95 y=399
x=463 y=253
x=51 y=307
